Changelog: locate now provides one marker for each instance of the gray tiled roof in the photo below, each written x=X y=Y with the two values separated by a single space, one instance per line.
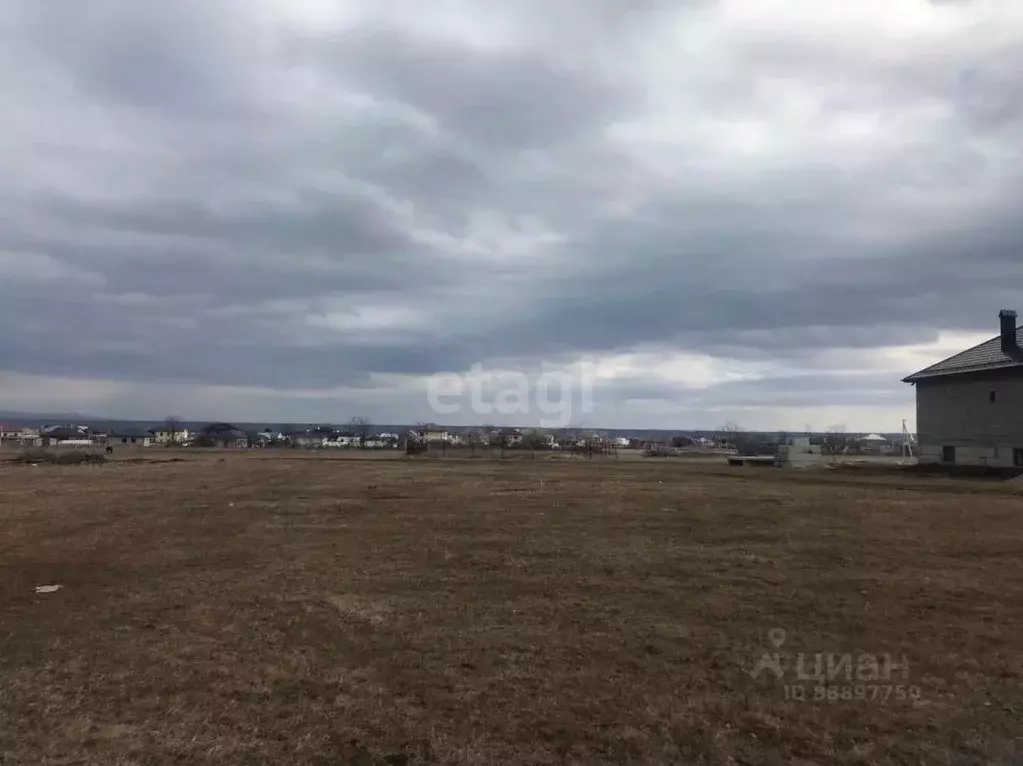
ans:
x=131 y=433
x=986 y=356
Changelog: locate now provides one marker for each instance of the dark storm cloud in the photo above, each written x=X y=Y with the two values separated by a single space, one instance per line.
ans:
x=182 y=59
x=184 y=248
x=216 y=194
x=503 y=101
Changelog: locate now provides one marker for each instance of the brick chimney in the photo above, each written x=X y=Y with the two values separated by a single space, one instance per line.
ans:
x=1008 y=319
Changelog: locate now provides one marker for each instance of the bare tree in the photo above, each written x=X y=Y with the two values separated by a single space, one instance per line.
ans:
x=360 y=427
x=287 y=431
x=568 y=436
x=535 y=438
x=173 y=425
x=836 y=439
x=415 y=443
x=488 y=435
x=567 y=439
x=500 y=439
x=474 y=438
x=730 y=432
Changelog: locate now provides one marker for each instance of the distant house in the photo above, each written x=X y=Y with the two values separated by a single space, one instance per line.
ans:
x=305 y=439
x=342 y=440
x=66 y=436
x=130 y=437
x=24 y=437
x=165 y=436
x=223 y=435
x=431 y=432
x=380 y=442
x=315 y=438
x=506 y=437
x=267 y=438
x=872 y=443
x=595 y=439
x=510 y=437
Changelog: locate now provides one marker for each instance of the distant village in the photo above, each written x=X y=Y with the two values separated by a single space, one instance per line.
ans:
x=358 y=434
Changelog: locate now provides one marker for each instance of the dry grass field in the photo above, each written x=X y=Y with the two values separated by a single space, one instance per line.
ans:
x=260 y=608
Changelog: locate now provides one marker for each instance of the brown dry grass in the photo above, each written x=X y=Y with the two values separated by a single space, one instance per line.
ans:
x=250 y=608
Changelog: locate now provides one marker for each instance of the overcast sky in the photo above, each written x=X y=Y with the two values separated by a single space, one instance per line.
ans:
x=765 y=211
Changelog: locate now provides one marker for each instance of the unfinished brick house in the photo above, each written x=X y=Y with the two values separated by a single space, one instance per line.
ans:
x=969 y=407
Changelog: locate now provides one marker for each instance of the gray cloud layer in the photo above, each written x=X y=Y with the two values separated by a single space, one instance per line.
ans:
x=269 y=195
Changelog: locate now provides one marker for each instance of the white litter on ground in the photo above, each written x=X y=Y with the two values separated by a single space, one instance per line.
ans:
x=48 y=588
